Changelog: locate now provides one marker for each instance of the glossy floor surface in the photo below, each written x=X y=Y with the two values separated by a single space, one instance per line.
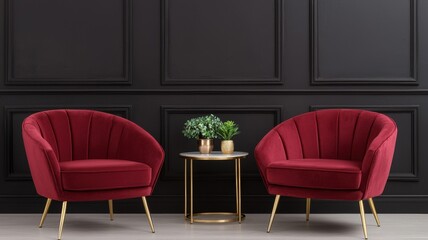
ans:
x=173 y=226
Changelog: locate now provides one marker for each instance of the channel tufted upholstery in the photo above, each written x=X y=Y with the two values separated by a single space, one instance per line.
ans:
x=343 y=154
x=85 y=155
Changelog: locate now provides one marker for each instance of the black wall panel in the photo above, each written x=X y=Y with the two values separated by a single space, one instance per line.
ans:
x=72 y=42
x=257 y=62
x=174 y=117
x=221 y=42
x=354 y=44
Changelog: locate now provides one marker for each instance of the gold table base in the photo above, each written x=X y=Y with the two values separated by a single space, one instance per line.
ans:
x=234 y=217
x=215 y=156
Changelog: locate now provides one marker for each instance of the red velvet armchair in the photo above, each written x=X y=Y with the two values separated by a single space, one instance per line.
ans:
x=341 y=154
x=84 y=155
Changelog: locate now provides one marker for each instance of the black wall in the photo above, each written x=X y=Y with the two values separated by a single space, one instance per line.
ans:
x=258 y=62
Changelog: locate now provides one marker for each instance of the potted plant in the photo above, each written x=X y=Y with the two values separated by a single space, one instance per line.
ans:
x=204 y=129
x=227 y=131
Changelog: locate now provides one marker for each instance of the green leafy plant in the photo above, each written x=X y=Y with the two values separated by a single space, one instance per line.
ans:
x=202 y=127
x=228 y=130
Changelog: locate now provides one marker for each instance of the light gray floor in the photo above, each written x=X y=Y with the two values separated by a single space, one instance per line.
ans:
x=173 y=226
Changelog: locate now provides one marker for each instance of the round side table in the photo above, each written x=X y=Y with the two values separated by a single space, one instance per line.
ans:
x=213 y=156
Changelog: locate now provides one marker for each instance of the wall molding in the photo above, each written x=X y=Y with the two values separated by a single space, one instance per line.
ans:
x=413 y=110
x=45 y=80
x=255 y=204
x=167 y=79
x=316 y=79
x=214 y=91
x=9 y=111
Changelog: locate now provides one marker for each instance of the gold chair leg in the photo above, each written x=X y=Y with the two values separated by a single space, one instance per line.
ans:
x=308 y=208
x=372 y=206
x=61 y=222
x=45 y=212
x=272 y=216
x=110 y=209
x=363 y=218
x=146 y=207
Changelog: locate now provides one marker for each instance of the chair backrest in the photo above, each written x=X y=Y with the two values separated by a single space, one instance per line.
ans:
x=332 y=133
x=79 y=134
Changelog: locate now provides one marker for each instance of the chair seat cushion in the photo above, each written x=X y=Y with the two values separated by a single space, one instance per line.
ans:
x=315 y=173
x=101 y=174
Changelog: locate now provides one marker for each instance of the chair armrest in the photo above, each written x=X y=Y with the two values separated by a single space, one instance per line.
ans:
x=376 y=164
x=44 y=165
x=138 y=145
x=270 y=149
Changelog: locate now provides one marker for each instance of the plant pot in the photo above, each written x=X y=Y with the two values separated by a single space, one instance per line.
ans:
x=227 y=146
x=205 y=145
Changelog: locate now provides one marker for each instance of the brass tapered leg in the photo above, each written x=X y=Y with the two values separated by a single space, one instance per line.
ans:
x=272 y=216
x=110 y=209
x=45 y=212
x=372 y=206
x=146 y=207
x=363 y=218
x=61 y=222
x=308 y=208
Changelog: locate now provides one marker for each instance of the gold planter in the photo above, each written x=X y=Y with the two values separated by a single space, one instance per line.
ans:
x=227 y=146
x=205 y=145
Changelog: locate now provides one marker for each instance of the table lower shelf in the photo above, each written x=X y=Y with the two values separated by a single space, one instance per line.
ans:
x=199 y=217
